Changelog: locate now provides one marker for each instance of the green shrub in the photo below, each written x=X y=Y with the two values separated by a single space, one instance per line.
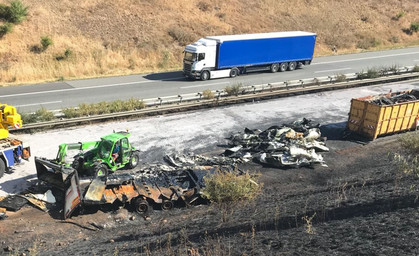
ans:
x=71 y=113
x=410 y=142
x=28 y=118
x=134 y=104
x=229 y=187
x=233 y=89
x=5 y=28
x=208 y=94
x=414 y=27
x=408 y=162
x=340 y=78
x=15 y=13
x=68 y=53
x=371 y=73
x=44 y=115
x=46 y=41
x=399 y=15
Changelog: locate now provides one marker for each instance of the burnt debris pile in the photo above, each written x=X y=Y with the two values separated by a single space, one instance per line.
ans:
x=290 y=145
x=395 y=98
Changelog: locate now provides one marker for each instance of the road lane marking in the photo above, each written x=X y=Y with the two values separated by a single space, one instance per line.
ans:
x=331 y=70
x=73 y=89
x=202 y=85
x=41 y=103
x=366 y=58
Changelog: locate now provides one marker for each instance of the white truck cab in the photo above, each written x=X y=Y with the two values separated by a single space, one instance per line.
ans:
x=199 y=59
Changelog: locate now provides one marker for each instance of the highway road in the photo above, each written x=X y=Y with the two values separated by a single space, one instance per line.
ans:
x=58 y=95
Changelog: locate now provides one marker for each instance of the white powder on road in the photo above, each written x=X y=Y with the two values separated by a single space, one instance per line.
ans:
x=198 y=131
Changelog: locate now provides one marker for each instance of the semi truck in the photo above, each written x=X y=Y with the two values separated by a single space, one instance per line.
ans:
x=12 y=150
x=232 y=55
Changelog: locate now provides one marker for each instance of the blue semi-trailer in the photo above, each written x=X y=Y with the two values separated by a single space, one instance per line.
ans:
x=231 y=55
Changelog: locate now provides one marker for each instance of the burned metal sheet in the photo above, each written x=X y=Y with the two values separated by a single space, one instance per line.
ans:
x=13 y=203
x=289 y=145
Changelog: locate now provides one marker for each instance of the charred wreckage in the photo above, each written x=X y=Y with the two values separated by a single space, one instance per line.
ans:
x=163 y=186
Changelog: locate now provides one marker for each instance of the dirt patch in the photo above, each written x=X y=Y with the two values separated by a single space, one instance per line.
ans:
x=359 y=205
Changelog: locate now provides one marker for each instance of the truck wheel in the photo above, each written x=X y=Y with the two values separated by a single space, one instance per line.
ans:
x=167 y=205
x=283 y=67
x=100 y=170
x=133 y=162
x=234 y=72
x=2 y=167
x=205 y=75
x=292 y=66
x=300 y=65
x=140 y=205
x=274 y=67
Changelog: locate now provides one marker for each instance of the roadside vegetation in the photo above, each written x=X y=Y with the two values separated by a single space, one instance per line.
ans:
x=226 y=187
x=408 y=161
x=44 y=115
x=130 y=37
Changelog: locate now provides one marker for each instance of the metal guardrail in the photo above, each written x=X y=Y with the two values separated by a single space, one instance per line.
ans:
x=221 y=97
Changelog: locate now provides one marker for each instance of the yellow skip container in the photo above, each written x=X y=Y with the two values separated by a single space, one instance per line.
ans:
x=373 y=116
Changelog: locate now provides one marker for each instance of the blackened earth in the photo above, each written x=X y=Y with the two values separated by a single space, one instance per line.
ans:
x=359 y=205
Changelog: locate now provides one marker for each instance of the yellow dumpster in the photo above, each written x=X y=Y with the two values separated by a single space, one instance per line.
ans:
x=373 y=116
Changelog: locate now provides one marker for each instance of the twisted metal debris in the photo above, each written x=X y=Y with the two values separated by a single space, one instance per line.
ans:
x=394 y=98
x=290 y=145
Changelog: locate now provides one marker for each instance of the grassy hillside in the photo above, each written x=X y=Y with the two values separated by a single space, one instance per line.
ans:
x=99 y=37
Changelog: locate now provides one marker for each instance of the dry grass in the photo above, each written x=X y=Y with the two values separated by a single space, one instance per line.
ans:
x=126 y=36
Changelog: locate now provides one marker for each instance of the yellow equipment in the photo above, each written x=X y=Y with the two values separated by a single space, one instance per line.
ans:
x=8 y=117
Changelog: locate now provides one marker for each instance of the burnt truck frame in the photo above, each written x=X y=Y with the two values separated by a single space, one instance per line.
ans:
x=141 y=190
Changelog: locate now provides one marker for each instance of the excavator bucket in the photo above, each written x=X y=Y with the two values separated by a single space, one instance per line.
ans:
x=63 y=178
x=52 y=173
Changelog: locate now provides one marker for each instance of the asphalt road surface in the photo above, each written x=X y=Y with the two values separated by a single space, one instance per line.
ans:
x=58 y=95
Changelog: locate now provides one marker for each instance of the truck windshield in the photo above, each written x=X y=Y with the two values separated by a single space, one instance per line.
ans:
x=104 y=148
x=190 y=56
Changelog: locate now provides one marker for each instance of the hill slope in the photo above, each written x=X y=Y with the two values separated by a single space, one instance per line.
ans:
x=136 y=36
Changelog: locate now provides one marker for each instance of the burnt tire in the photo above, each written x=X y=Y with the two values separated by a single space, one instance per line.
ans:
x=205 y=75
x=141 y=205
x=77 y=164
x=283 y=67
x=274 y=67
x=133 y=161
x=2 y=167
x=167 y=205
x=234 y=72
x=292 y=65
x=101 y=170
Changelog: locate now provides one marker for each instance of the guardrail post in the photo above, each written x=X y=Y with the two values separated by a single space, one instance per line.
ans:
x=286 y=84
x=180 y=97
x=271 y=86
x=302 y=83
x=200 y=95
x=218 y=94
x=330 y=79
x=254 y=89
x=161 y=101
